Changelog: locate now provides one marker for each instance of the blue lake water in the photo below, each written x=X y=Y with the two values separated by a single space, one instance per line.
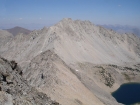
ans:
x=128 y=94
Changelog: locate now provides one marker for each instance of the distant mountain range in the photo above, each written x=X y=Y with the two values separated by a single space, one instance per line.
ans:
x=124 y=29
x=118 y=28
x=16 y=30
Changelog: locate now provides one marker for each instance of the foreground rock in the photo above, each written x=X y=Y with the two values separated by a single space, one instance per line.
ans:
x=14 y=90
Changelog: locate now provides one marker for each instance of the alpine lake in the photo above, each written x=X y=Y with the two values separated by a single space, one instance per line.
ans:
x=128 y=94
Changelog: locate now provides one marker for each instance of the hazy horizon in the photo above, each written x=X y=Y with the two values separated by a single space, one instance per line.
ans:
x=35 y=14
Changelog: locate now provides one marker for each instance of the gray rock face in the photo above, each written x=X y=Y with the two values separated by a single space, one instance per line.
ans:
x=68 y=38
x=5 y=99
x=14 y=90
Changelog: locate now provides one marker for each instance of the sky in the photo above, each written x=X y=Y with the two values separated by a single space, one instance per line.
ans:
x=38 y=13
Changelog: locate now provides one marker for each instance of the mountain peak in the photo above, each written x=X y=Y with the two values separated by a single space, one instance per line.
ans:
x=67 y=23
x=67 y=19
x=16 y=30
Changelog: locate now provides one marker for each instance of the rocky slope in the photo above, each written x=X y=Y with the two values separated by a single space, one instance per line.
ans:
x=76 y=62
x=5 y=38
x=14 y=90
x=52 y=76
x=86 y=83
x=76 y=41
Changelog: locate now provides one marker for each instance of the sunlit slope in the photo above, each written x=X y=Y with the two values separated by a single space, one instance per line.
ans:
x=81 y=41
x=76 y=41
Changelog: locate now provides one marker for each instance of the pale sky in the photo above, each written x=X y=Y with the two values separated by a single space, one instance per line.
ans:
x=39 y=13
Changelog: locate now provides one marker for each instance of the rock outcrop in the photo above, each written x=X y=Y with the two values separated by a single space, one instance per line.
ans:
x=14 y=90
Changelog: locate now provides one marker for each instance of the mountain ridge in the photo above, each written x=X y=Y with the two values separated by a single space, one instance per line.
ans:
x=76 y=62
x=17 y=30
x=96 y=42
x=124 y=29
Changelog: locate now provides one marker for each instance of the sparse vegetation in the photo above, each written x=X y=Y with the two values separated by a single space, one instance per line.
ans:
x=115 y=66
x=109 y=81
x=127 y=77
x=128 y=68
x=132 y=69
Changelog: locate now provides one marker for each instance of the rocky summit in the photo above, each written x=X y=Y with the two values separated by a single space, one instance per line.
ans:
x=73 y=62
